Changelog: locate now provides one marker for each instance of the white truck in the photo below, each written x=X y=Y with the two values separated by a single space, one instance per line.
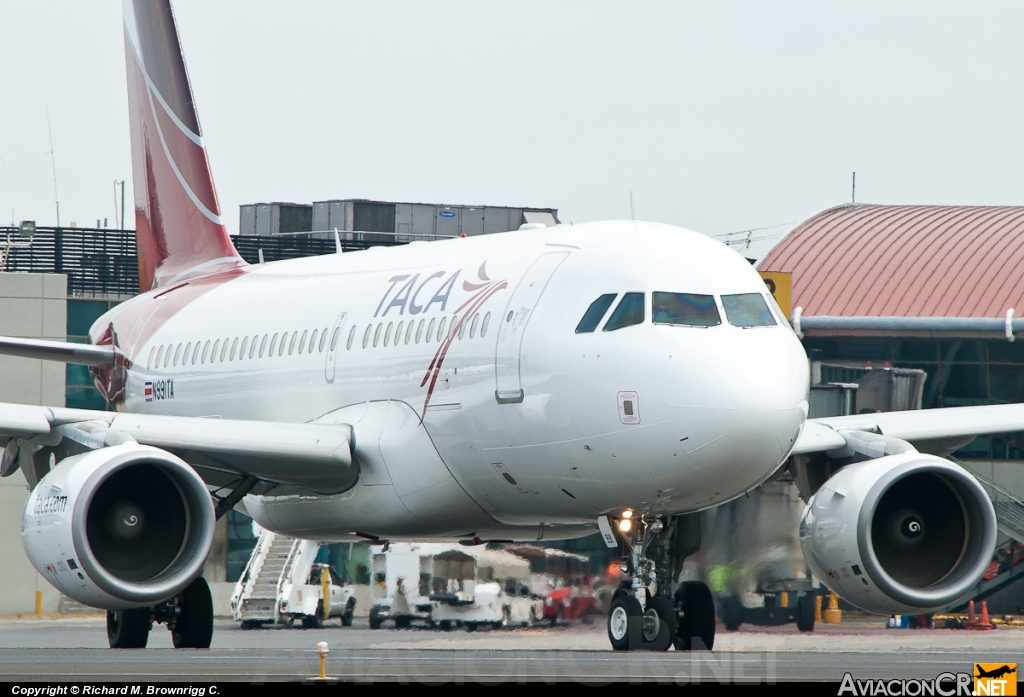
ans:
x=282 y=583
x=443 y=585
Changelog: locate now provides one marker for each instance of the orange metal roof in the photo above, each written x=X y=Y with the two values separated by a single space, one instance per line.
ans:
x=906 y=261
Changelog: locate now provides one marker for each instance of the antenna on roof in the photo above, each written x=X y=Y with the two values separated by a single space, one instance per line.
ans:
x=853 y=193
x=53 y=163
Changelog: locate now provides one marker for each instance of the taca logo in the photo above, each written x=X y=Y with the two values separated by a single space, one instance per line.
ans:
x=412 y=291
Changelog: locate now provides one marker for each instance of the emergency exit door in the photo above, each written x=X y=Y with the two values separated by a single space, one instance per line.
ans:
x=509 y=387
x=334 y=339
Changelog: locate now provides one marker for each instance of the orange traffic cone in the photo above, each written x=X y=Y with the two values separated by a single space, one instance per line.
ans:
x=972 y=619
x=985 y=623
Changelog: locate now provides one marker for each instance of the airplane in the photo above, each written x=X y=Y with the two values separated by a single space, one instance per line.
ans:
x=995 y=672
x=610 y=377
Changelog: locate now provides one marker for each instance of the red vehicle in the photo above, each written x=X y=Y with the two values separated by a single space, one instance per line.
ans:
x=570 y=602
x=563 y=580
x=1005 y=557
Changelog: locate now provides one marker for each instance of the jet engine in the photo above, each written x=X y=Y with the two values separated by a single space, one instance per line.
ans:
x=119 y=527
x=907 y=533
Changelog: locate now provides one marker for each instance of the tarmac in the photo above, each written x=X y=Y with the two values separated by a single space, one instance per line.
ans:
x=75 y=649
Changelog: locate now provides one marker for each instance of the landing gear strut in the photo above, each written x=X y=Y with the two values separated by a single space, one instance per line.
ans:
x=189 y=616
x=645 y=614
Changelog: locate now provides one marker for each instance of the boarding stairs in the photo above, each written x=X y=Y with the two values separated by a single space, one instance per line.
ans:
x=275 y=561
x=1009 y=509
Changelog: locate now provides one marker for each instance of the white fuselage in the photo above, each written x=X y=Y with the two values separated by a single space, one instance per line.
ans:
x=716 y=409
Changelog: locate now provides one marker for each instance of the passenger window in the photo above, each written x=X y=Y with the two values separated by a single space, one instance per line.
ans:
x=387 y=334
x=629 y=312
x=462 y=328
x=408 y=332
x=302 y=341
x=263 y=345
x=398 y=333
x=149 y=363
x=241 y=351
x=472 y=327
x=440 y=328
x=184 y=356
x=273 y=345
x=430 y=331
x=291 y=344
x=595 y=313
x=334 y=338
x=747 y=310
x=177 y=354
x=351 y=338
x=284 y=342
x=454 y=326
x=376 y=334
x=206 y=349
x=366 y=336
x=213 y=353
x=685 y=309
x=323 y=339
x=234 y=345
x=195 y=352
x=159 y=356
x=483 y=327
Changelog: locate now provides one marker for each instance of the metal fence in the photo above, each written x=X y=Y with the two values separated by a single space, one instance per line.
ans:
x=102 y=263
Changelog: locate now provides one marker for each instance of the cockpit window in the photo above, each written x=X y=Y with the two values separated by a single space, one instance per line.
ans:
x=629 y=312
x=747 y=310
x=687 y=309
x=595 y=313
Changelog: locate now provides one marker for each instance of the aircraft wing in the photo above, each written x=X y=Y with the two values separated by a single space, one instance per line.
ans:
x=919 y=427
x=314 y=457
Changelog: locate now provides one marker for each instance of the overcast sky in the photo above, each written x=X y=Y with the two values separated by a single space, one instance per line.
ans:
x=718 y=116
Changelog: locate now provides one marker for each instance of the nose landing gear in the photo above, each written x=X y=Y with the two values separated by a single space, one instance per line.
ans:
x=645 y=614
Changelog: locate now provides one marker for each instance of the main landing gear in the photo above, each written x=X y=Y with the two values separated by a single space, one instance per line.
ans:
x=189 y=616
x=645 y=614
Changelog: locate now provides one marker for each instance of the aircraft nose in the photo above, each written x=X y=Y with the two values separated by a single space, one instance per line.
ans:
x=741 y=403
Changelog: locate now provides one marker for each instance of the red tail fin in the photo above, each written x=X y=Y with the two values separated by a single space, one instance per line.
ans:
x=177 y=216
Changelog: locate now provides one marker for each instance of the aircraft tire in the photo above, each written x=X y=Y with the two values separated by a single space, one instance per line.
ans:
x=664 y=616
x=128 y=629
x=346 y=618
x=696 y=631
x=805 y=613
x=375 y=620
x=625 y=623
x=194 y=628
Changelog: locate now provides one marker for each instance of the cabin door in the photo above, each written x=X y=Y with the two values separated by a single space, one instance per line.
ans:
x=512 y=327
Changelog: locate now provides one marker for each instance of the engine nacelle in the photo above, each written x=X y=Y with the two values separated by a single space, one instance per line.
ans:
x=119 y=527
x=907 y=533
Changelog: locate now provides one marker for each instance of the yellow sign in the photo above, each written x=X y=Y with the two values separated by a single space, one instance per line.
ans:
x=780 y=283
x=995 y=678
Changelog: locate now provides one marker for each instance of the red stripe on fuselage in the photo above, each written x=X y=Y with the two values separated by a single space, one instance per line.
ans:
x=132 y=325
